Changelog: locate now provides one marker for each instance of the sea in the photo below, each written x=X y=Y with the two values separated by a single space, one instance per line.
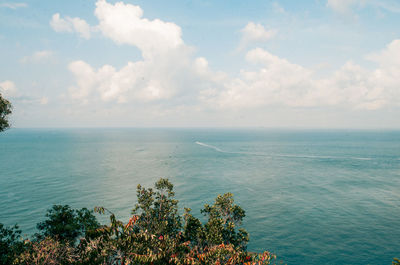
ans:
x=310 y=196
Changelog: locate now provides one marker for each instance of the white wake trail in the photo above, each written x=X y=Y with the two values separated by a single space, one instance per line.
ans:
x=283 y=155
x=210 y=146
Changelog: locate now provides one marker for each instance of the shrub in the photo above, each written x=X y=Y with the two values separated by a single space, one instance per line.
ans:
x=47 y=251
x=10 y=244
x=66 y=224
x=155 y=234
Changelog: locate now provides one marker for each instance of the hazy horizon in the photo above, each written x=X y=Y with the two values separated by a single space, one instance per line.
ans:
x=220 y=128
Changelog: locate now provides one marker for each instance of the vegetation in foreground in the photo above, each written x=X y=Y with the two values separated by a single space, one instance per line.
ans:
x=155 y=234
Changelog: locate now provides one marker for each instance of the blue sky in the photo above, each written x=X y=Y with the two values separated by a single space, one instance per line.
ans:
x=293 y=64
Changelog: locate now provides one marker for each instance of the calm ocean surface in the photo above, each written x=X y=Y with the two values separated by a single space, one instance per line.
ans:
x=311 y=197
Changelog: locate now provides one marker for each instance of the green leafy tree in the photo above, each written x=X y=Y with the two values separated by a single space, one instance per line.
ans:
x=5 y=110
x=155 y=234
x=10 y=244
x=157 y=211
x=66 y=224
x=224 y=217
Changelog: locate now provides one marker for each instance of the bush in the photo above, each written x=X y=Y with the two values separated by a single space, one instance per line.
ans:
x=66 y=224
x=47 y=251
x=155 y=234
x=10 y=244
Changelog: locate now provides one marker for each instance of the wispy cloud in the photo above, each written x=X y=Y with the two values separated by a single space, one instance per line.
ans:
x=8 y=88
x=278 y=8
x=13 y=5
x=391 y=6
x=37 y=57
x=345 y=7
x=70 y=25
x=255 y=33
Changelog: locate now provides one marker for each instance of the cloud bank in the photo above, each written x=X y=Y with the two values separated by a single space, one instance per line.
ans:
x=280 y=82
x=170 y=74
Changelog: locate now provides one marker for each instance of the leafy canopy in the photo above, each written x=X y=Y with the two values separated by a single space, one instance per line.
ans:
x=5 y=110
x=66 y=224
x=155 y=235
x=9 y=243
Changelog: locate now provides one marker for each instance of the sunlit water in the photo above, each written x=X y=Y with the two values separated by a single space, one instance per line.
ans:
x=311 y=197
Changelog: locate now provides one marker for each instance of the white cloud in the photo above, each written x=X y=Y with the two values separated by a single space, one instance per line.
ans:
x=124 y=23
x=253 y=32
x=145 y=81
x=388 y=58
x=37 y=57
x=170 y=74
x=14 y=5
x=281 y=83
x=270 y=85
x=343 y=6
x=166 y=70
x=257 y=32
x=60 y=24
x=8 y=88
x=70 y=25
x=346 y=7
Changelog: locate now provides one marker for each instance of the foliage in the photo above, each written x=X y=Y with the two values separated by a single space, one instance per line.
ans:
x=157 y=211
x=10 y=245
x=67 y=224
x=5 y=110
x=155 y=234
x=47 y=251
x=223 y=218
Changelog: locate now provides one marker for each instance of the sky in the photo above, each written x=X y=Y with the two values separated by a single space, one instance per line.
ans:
x=201 y=63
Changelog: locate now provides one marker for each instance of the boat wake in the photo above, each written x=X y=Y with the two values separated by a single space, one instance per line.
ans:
x=210 y=146
x=283 y=155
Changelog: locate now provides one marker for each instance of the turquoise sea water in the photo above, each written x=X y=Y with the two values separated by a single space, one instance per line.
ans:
x=311 y=197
